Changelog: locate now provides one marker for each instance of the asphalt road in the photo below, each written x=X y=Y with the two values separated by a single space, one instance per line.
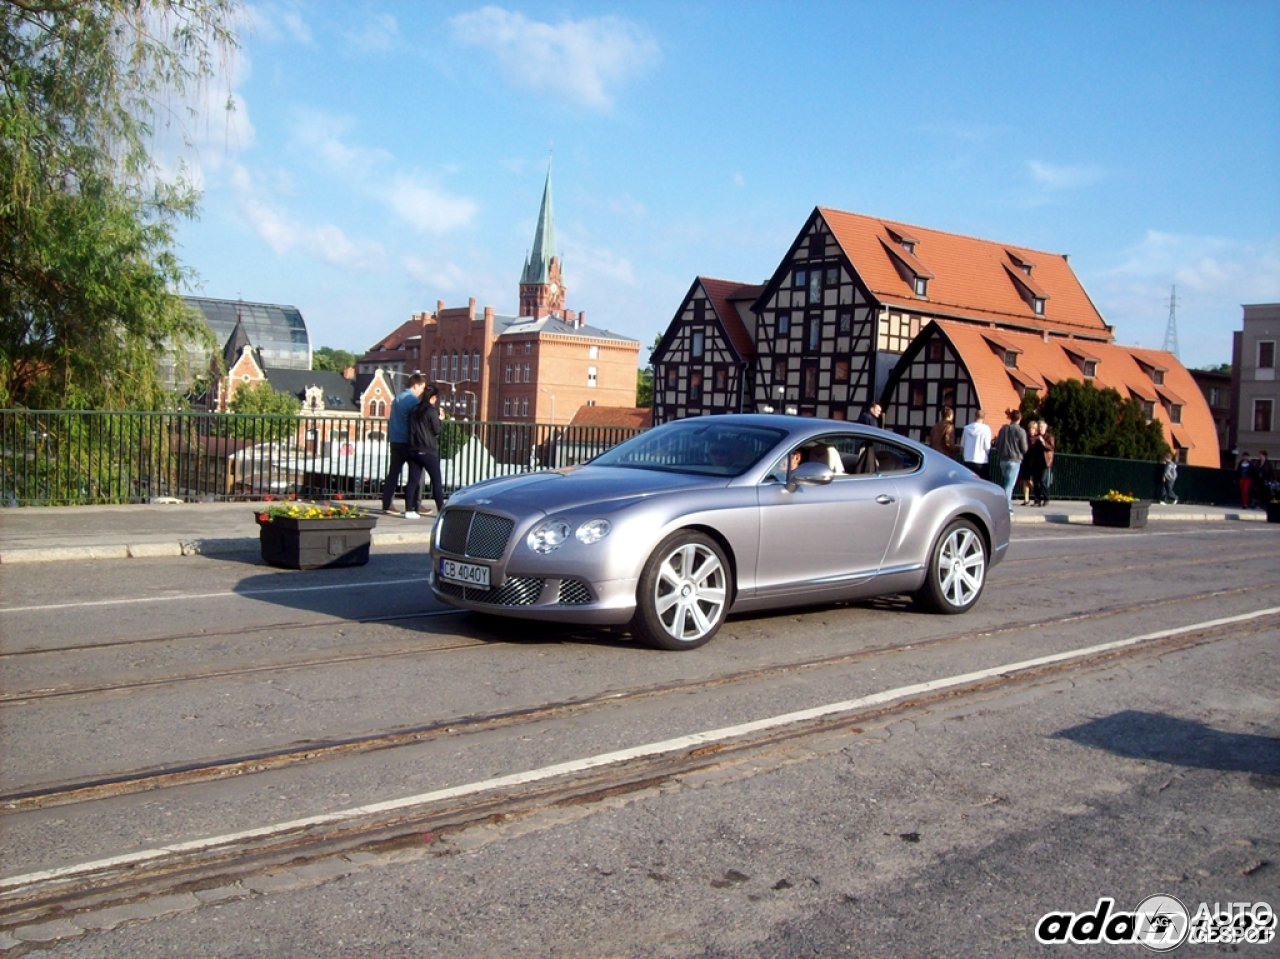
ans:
x=199 y=699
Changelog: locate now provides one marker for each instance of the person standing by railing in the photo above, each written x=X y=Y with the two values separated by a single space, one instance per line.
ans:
x=1244 y=477
x=424 y=452
x=1011 y=447
x=398 y=436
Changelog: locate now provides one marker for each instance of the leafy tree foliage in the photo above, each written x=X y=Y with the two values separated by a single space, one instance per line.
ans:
x=327 y=358
x=262 y=399
x=1096 y=422
x=644 y=387
x=88 y=272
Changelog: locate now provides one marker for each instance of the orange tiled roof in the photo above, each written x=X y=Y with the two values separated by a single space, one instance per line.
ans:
x=396 y=339
x=971 y=279
x=634 y=418
x=722 y=293
x=1118 y=368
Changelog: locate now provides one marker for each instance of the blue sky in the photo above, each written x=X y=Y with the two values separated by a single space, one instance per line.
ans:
x=383 y=156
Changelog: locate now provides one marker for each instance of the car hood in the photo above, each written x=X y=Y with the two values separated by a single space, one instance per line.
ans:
x=555 y=491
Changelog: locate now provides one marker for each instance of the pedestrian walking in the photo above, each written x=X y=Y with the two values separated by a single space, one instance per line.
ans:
x=943 y=435
x=1167 y=478
x=1024 y=471
x=871 y=416
x=398 y=435
x=1244 y=478
x=1011 y=447
x=975 y=444
x=1265 y=488
x=1042 y=464
x=424 y=452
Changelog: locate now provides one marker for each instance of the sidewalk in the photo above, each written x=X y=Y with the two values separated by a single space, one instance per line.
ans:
x=37 y=534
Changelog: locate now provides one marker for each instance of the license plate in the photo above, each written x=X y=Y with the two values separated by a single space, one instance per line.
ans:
x=469 y=574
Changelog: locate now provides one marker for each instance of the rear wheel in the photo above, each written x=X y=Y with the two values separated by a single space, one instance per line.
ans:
x=683 y=593
x=957 y=570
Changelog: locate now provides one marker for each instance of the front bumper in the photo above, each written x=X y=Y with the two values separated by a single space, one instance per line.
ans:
x=565 y=599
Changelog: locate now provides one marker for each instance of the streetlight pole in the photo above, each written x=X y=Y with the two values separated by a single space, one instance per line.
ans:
x=553 y=404
x=453 y=390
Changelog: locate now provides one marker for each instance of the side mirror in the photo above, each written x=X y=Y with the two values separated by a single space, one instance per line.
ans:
x=809 y=474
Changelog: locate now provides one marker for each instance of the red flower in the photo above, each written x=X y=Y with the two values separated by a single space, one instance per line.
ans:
x=263 y=517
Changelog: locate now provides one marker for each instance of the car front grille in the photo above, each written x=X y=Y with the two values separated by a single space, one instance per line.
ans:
x=574 y=592
x=468 y=532
x=516 y=591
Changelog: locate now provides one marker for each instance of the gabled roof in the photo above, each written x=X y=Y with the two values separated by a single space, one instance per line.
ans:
x=723 y=295
x=396 y=339
x=971 y=278
x=1044 y=361
x=640 y=418
x=339 y=393
x=555 y=325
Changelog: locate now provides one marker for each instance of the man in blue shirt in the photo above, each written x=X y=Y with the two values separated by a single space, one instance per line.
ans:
x=398 y=434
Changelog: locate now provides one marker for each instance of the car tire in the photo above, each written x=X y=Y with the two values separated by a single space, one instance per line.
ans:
x=957 y=570
x=684 y=592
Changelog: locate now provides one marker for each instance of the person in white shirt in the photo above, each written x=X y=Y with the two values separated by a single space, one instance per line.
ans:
x=975 y=443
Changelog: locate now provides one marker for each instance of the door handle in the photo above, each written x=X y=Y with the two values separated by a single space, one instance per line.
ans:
x=884 y=499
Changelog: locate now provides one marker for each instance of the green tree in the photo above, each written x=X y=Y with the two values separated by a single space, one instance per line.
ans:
x=327 y=358
x=644 y=387
x=262 y=414
x=89 y=277
x=1094 y=422
x=262 y=399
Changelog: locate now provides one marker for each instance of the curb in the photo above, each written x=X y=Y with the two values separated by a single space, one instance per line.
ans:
x=1084 y=519
x=192 y=547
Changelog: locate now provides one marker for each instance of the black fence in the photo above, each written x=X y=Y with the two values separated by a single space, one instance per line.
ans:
x=54 y=458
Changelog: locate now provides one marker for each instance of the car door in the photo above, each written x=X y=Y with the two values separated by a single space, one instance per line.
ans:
x=823 y=538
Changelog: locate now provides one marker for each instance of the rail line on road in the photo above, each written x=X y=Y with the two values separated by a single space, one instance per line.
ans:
x=393 y=824
x=211 y=769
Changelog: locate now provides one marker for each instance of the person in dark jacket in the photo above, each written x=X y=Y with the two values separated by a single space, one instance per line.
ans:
x=871 y=416
x=398 y=436
x=1011 y=447
x=424 y=452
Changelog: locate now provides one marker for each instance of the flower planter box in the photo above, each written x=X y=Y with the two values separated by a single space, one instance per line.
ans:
x=316 y=543
x=1123 y=515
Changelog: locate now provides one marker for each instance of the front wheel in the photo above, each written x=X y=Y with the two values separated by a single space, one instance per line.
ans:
x=683 y=593
x=957 y=570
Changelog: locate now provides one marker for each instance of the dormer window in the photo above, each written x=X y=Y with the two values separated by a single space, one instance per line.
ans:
x=1037 y=303
x=1175 y=412
x=909 y=245
x=1011 y=359
x=921 y=286
x=1148 y=409
x=1157 y=377
x=1090 y=368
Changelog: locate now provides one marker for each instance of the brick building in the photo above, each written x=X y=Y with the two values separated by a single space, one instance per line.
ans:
x=538 y=367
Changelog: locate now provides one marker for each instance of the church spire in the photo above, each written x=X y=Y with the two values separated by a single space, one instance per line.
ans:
x=541 y=288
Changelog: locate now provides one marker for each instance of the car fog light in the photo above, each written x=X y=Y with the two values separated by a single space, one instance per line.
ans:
x=548 y=536
x=593 y=530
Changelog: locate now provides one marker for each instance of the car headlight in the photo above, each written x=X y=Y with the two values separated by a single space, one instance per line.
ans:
x=547 y=536
x=593 y=530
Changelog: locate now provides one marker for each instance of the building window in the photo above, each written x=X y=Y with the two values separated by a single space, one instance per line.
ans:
x=917 y=394
x=524 y=406
x=1262 y=410
x=526 y=372
x=475 y=365
x=591 y=376
x=1011 y=360
x=722 y=379
x=801 y=277
x=1157 y=377
x=1148 y=408
x=528 y=347
x=784 y=324
x=1037 y=304
x=846 y=321
x=809 y=379
x=1175 y=412
x=507 y=373
x=922 y=286
x=814 y=338
x=506 y=407
x=1266 y=354
x=435 y=367
x=466 y=365
x=673 y=377
x=833 y=276
x=593 y=352
x=695 y=387
x=841 y=373
x=779 y=372
x=1215 y=396
x=699 y=344
x=1090 y=368
x=453 y=367
x=934 y=351
x=815 y=287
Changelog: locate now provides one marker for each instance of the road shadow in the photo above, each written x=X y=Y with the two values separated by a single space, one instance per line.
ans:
x=1179 y=742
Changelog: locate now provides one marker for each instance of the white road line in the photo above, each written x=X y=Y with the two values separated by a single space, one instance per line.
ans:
x=606 y=759
x=219 y=595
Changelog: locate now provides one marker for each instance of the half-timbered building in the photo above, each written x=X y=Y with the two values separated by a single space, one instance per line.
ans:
x=704 y=362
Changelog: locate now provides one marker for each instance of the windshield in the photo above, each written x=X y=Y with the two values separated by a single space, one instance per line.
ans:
x=709 y=446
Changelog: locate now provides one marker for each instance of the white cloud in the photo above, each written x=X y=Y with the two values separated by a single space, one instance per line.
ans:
x=1056 y=177
x=283 y=234
x=428 y=209
x=437 y=276
x=379 y=33
x=580 y=61
x=278 y=21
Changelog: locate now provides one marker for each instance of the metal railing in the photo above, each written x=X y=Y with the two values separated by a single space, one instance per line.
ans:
x=53 y=458
x=1087 y=477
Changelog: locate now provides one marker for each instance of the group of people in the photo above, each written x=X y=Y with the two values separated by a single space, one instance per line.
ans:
x=1016 y=458
x=413 y=432
x=1257 y=479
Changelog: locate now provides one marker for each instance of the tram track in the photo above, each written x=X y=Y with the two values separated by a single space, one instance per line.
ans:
x=211 y=769
x=384 y=828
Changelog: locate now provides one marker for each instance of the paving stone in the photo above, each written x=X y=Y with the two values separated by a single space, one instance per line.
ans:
x=152 y=908
x=48 y=931
x=222 y=893
x=7 y=941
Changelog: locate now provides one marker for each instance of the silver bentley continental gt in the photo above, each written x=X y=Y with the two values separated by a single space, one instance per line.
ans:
x=676 y=527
